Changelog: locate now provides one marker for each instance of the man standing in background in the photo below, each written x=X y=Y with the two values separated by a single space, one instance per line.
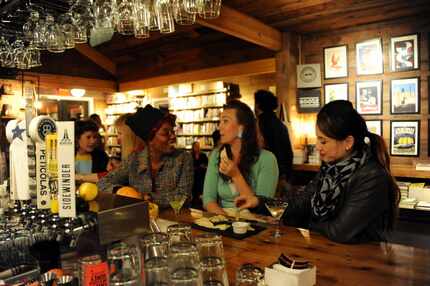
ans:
x=275 y=134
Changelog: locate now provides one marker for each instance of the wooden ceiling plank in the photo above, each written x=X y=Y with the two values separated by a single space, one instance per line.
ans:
x=355 y=18
x=237 y=24
x=97 y=57
x=249 y=68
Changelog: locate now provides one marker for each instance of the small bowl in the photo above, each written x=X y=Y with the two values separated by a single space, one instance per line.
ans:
x=240 y=227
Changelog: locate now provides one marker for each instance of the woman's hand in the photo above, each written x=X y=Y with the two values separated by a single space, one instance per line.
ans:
x=246 y=201
x=229 y=168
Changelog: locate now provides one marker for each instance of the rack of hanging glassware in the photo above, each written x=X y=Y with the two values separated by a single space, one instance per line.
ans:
x=31 y=26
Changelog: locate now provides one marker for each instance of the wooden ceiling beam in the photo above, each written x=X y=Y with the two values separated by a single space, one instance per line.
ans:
x=249 y=68
x=97 y=57
x=237 y=24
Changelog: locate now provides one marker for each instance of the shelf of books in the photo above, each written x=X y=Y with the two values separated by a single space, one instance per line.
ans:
x=198 y=108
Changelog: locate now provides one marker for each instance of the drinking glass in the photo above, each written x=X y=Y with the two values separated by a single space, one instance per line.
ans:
x=210 y=9
x=141 y=19
x=125 y=18
x=65 y=23
x=81 y=34
x=84 y=262
x=153 y=20
x=154 y=245
x=103 y=14
x=181 y=15
x=40 y=35
x=164 y=12
x=156 y=272
x=209 y=245
x=179 y=233
x=276 y=208
x=176 y=201
x=249 y=275
x=29 y=26
x=192 y=6
x=184 y=264
x=55 y=37
x=124 y=263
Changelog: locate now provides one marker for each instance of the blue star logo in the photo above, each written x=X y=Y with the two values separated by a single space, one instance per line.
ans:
x=17 y=132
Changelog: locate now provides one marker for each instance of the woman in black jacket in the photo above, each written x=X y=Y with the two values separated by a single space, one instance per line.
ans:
x=353 y=198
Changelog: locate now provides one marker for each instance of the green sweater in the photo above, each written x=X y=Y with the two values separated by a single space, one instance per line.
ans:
x=264 y=179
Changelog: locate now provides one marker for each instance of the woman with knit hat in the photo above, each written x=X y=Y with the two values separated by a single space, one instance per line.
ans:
x=160 y=170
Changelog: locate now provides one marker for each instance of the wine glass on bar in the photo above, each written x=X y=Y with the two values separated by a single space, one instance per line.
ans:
x=176 y=201
x=276 y=208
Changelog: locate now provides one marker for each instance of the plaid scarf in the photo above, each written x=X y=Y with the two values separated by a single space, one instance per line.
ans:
x=332 y=183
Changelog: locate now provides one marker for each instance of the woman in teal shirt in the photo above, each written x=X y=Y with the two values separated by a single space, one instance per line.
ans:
x=239 y=166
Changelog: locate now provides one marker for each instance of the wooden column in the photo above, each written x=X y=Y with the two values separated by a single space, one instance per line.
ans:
x=286 y=60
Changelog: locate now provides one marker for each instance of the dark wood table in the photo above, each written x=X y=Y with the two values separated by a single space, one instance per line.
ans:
x=337 y=264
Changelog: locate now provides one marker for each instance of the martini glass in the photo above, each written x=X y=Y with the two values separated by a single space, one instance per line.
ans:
x=276 y=208
x=176 y=202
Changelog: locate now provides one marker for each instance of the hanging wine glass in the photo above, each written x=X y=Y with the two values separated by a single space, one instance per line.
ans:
x=180 y=13
x=103 y=14
x=4 y=51
x=192 y=6
x=125 y=18
x=141 y=19
x=164 y=13
x=81 y=35
x=153 y=19
x=19 y=54
x=66 y=24
x=55 y=36
x=39 y=35
x=210 y=9
x=29 y=26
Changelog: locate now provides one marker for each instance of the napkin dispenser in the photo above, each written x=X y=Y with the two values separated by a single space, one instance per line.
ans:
x=292 y=272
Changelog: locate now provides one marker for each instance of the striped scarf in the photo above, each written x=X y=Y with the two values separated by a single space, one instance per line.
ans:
x=332 y=183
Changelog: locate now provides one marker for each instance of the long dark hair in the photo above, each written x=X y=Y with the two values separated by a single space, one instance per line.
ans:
x=338 y=120
x=250 y=150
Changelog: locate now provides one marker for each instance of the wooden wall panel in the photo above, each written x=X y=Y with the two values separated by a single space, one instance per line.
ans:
x=312 y=52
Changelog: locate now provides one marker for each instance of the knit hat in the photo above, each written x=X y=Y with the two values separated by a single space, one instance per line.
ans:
x=144 y=121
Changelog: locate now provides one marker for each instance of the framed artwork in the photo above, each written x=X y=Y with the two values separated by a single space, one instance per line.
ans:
x=308 y=100
x=405 y=97
x=374 y=126
x=405 y=138
x=308 y=76
x=336 y=62
x=404 y=53
x=369 y=97
x=369 y=57
x=335 y=91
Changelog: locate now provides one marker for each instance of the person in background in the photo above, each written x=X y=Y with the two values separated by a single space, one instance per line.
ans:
x=160 y=170
x=200 y=162
x=246 y=170
x=101 y=134
x=354 y=197
x=275 y=134
x=129 y=141
x=90 y=162
x=216 y=137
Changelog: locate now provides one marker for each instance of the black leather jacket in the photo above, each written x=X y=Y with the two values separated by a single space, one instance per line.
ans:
x=362 y=213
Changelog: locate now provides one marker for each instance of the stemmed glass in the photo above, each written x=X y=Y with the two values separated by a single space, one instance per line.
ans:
x=276 y=208
x=176 y=201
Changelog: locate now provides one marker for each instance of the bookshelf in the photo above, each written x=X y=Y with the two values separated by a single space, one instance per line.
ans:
x=198 y=109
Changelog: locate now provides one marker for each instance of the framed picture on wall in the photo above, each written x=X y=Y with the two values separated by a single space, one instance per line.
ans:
x=335 y=91
x=369 y=97
x=335 y=62
x=405 y=98
x=369 y=57
x=374 y=126
x=405 y=138
x=404 y=53
x=308 y=100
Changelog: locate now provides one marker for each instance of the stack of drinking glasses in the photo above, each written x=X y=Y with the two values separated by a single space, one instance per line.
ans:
x=212 y=264
x=124 y=264
x=154 y=249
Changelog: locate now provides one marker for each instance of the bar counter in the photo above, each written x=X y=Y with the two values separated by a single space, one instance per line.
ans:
x=337 y=264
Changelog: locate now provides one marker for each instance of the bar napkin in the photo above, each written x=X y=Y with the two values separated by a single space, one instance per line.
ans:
x=280 y=275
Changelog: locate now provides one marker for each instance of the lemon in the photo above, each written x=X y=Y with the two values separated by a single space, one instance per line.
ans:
x=129 y=192
x=88 y=191
x=54 y=206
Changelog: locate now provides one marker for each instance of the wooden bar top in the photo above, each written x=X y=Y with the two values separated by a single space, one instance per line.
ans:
x=337 y=264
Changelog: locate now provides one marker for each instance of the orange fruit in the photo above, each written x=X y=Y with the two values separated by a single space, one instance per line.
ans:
x=129 y=192
x=57 y=271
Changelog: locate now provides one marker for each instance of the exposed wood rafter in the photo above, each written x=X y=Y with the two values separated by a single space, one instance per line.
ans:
x=97 y=57
x=248 y=68
x=237 y=24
